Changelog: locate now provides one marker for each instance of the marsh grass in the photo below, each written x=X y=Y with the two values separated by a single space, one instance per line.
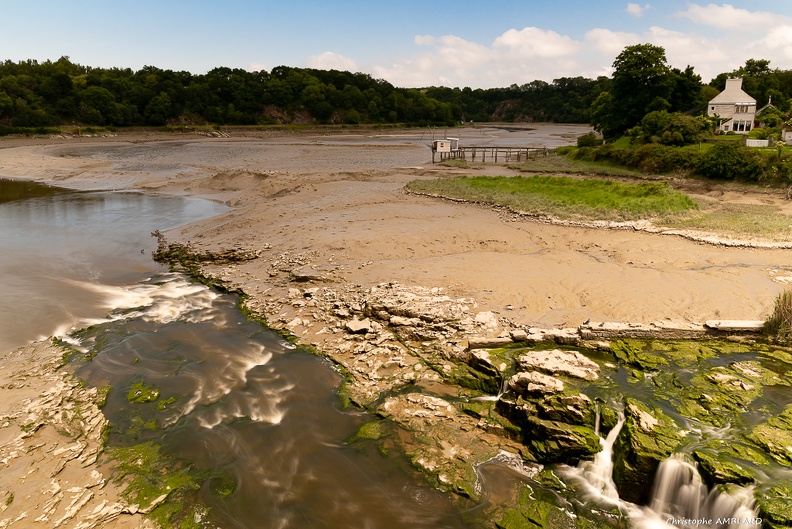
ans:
x=564 y=197
x=779 y=325
x=566 y=165
x=754 y=220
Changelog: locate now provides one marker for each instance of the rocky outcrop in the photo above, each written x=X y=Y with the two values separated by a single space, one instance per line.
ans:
x=647 y=438
x=52 y=429
x=534 y=383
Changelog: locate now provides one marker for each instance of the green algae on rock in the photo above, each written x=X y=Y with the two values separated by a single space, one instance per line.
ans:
x=647 y=438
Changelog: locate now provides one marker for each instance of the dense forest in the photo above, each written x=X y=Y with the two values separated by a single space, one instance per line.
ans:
x=44 y=94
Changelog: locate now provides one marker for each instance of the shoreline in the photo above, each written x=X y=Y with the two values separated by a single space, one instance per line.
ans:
x=340 y=257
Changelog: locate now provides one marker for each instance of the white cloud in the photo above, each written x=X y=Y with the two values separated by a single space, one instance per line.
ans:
x=519 y=56
x=637 y=10
x=514 y=57
x=535 y=42
x=257 y=67
x=424 y=40
x=727 y=16
x=331 y=61
x=610 y=42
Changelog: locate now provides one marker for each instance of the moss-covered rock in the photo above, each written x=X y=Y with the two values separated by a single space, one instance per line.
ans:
x=717 y=469
x=555 y=441
x=538 y=508
x=142 y=392
x=647 y=438
x=467 y=376
x=572 y=409
x=775 y=504
x=775 y=436
x=631 y=353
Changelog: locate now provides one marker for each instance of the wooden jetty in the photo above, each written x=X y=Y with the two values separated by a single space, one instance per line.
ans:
x=449 y=149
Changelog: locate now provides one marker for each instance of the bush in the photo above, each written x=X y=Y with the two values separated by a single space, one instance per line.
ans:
x=565 y=150
x=590 y=139
x=653 y=158
x=675 y=129
x=730 y=160
x=779 y=325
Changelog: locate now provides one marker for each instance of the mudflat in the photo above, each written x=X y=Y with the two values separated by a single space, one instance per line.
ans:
x=319 y=212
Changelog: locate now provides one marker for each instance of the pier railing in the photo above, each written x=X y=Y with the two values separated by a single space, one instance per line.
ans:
x=491 y=154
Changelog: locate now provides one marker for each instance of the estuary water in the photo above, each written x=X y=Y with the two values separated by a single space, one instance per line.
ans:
x=256 y=416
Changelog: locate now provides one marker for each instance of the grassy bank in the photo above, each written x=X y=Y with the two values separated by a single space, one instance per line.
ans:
x=564 y=197
x=740 y=220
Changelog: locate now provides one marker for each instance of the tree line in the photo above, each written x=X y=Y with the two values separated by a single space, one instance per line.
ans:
x=34 y=94
x=41 y=94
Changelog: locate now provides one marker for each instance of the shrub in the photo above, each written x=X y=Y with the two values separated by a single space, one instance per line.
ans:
x=585 y=154
x=675 y=129
x=653 y=158
x=730 y=160
x=590 y=139
x=779 y=325
x=565 y=150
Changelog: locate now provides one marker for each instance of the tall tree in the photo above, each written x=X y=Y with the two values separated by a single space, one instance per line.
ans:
x=642 y=83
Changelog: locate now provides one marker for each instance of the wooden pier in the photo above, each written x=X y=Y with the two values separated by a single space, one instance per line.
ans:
x=490 y=153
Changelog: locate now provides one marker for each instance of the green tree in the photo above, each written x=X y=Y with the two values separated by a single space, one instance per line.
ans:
x=642 y=82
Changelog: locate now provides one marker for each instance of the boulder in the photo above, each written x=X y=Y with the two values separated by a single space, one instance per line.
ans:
x=572 y=409
x=481 y=361
x=647 y=438
x=557 y=362
x=715 y=469
x=533 y=383
x=359 y=326
x=560 y=442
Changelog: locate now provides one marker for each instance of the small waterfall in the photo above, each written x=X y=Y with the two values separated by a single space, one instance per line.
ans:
x=680 y=495
x=504 y=387
x=680 y=498
x=597 y=475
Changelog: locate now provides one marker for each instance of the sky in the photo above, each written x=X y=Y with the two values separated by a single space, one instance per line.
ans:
x=409 y=43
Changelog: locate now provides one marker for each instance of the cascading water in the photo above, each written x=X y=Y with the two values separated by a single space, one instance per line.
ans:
x=597 y=475
x=680 y=498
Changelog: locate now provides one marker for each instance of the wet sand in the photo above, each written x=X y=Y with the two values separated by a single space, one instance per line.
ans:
x=335 y=206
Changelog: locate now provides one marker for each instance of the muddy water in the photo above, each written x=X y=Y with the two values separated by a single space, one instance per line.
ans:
x=243 y=401
x=59 y=246
x=234 y=399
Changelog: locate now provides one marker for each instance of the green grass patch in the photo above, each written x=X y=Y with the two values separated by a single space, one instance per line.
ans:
x=564 y=197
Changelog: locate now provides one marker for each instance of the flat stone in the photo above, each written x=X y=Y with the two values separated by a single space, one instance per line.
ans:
x=570 y=363
x=359 y=326
x=534 y=382
x=305 y=275
x=518 y=335
x=485 y=343
x=735 y=325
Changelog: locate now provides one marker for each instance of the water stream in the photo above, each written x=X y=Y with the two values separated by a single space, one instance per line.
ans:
x=233 y=398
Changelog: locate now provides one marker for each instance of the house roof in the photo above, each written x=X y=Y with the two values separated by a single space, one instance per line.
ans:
x=733 y=93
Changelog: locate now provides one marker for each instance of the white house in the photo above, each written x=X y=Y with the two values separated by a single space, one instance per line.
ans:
x=735 y=109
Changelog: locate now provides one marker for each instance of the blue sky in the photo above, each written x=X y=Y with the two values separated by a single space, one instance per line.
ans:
x=409 y=43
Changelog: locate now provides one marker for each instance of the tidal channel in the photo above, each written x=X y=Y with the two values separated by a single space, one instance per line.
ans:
x=221 y=394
